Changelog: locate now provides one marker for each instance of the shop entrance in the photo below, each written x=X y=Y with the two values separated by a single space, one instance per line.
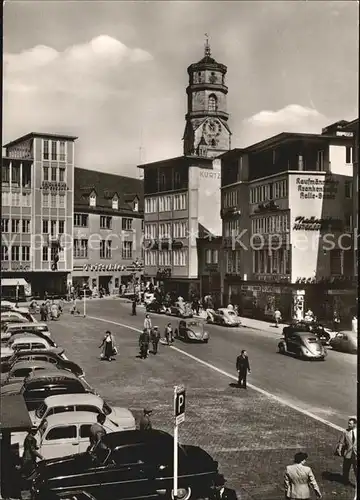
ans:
x=104 y=283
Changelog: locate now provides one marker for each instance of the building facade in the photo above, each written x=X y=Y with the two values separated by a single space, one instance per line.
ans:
x=287 y=211
x=37 y=211
x=108 y=225
x=182 y=195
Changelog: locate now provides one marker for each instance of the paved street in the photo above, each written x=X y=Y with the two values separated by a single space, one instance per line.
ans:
x=251 y=435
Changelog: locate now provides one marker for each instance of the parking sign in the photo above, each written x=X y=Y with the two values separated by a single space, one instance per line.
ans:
x=179 y=404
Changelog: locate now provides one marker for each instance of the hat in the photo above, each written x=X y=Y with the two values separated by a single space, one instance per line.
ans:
x=219 y=480
x=147 y=410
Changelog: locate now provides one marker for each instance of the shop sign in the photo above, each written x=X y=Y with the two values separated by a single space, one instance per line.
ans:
x=344 y=134
x=314 y=188
x=103 y=267
x=314 y=224
x=251 y=288
x=54 y=186
x=15 y=266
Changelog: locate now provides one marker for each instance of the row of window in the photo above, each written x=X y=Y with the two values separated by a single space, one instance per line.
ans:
x=166 y=258
x=179 y=230
x=270 y=224
x=271 y=191
x=166 y=203
x=271 y=262
x=54 y=150
x=232 y=261
x=10 y=199
x=53 y=227
x=106 y=222
x=211 y=256
x=53 y=200
x=81 y=249
x=231 y=227
x=54 y=174
x=230 y=198
x=18 y=253
x=17 y=175
x=15 y=225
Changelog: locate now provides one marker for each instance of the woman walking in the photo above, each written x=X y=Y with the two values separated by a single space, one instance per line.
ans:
x=108 y=346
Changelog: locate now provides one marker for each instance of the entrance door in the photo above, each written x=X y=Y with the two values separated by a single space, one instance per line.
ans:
x=104 y=282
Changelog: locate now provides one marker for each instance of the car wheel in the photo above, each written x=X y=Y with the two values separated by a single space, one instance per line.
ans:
x=206 y=341
x=182 y=494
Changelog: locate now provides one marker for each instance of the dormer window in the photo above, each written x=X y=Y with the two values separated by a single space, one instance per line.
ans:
x=92 y=199
x=115 y=203
x=136 y=205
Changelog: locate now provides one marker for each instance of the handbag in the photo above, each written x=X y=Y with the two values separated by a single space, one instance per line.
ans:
x=115 y=351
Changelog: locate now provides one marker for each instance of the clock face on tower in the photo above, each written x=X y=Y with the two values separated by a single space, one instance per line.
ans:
x=212 y=128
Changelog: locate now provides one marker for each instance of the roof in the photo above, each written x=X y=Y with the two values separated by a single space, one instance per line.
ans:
x=14 y=415
x=31 y=363
x=36 y=352
x=44 y=135
x=52 y=373
x=13 y=282
x=106 y=186
x=26 y=325
x=188 y=160
x=72 y=417
x=231 y=153
x=72 y=399
x=352 y=126
x=26 y=338
x=123 y=438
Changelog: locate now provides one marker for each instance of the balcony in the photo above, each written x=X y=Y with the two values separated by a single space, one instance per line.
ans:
x=229 y=212
x=163 y=273
x=54 y=186
x=271 y=206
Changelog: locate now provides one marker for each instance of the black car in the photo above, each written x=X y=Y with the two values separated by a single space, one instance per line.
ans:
x=320 y=331
x=136 y=464
x=54 y=357
x=156 y=307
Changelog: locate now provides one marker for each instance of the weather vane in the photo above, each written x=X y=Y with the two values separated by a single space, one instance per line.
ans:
x=207 y=46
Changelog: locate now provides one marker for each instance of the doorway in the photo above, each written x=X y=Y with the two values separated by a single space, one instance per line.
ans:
x=104 y=283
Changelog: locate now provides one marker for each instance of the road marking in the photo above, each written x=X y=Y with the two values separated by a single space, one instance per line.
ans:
x=233 y=377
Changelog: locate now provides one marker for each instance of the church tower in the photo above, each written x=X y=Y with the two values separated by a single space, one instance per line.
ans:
x=206 y=131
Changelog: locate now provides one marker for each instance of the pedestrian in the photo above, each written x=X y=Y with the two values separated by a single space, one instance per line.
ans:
x=54 y=311
x=221 y=492
x=145 y=422
x=336 y=321
x=30 y=453
x=74 y=308
x=347 y=448
x=134 y=306
x=155 y=338
x=299 y=478
x=147 y=323
x=144 y=340
x=108 y=345
x=42 y=312
x=354 y=324
x=242 y=367
x=97 y=433
x=169 y=334
x=277 y=317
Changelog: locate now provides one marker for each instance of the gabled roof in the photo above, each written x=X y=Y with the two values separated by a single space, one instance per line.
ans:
x=106 y=186
x=41 y=135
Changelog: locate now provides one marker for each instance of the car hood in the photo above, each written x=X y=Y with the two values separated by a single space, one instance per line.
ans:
x=122 y=417
x=64 y=466
x=313 y=348
x=6 y=351
x=198 y=332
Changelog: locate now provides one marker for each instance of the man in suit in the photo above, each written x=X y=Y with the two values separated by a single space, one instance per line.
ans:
x=299 y=478
x=145 y=422
x=347 y=448
x=221 y=492
x=242 y=367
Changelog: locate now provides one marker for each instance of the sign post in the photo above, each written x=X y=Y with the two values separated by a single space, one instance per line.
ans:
x=179 y=414
x=17 y=292
x=84 y=300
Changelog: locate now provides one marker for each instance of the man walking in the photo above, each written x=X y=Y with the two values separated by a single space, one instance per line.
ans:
x=145 y=422
x=155 y=338
x=299 y=478
x=134 y=306
x=30 y=453
x=277 y=317
x=97 y=433
x=243 y=368
x=347 y=448
x=144 y=340
x=169 y=334
x=147 y=323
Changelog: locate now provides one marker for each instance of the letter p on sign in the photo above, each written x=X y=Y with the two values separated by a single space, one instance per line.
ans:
x=179 y=404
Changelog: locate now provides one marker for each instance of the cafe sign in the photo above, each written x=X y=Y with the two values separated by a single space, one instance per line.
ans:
x=315 y=224
x=103 y=267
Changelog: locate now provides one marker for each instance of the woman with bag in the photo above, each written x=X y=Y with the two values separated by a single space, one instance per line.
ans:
x=108 y=346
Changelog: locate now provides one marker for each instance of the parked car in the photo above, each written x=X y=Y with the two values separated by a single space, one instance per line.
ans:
x=192 y=331
x=180 y=309
x=303 y=345
x=38 y=386
x=136 y=464
x=346 y=341
x=53 y=355
x=324 y=334
x=156 y=307
x=223 y=317
x=120 y=417
x=23 y=369
x=35 y=328
x=148 y=298
x=21 y=342
x=20 y=313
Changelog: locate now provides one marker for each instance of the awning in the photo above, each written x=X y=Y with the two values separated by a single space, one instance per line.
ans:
x=13 y=282
x=14 y=415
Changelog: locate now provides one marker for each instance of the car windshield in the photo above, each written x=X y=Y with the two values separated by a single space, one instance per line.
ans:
x=194 y=323
x=42 y=427
x=40 y=412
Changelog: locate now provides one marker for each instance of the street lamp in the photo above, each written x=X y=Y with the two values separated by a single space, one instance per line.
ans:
x=84 y=286
x=17 y=293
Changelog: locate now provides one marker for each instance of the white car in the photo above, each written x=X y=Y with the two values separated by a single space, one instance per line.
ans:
x=64 y=434
x=22 y=342
x=122 y=418
x=21 y=313
x=148 y=298
x=25 y=328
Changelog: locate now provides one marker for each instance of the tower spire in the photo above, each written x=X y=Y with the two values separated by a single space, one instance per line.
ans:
x=207 y=46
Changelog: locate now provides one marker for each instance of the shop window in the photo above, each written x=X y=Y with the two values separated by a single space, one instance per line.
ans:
x=116 y=282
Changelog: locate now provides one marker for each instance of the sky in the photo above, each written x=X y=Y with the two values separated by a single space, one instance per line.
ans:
x=114 y=73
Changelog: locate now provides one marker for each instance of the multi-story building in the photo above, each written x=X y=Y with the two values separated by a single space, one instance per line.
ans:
x=108 y=226
x=182 y=195
x=37 y=210
x=287 y=211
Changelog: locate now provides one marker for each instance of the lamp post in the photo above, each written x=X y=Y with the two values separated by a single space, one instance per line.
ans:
x=84 y=299
x=17 y=292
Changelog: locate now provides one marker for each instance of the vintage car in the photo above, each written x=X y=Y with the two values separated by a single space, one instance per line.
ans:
x=303 y=345
x=135 y=464
x=120 y=417
x=22 y=369
x=155 y=307
x=42 y=384
x=180 y=309
x=22 y=342
x=22 y=327
x=223 y=317
x=192 y=331
x=345 y=341
x=324 y=334
x=20 y=314
x=54 y=355
x=148 y=298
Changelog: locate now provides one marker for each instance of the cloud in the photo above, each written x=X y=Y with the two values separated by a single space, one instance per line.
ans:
x=291 y=118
